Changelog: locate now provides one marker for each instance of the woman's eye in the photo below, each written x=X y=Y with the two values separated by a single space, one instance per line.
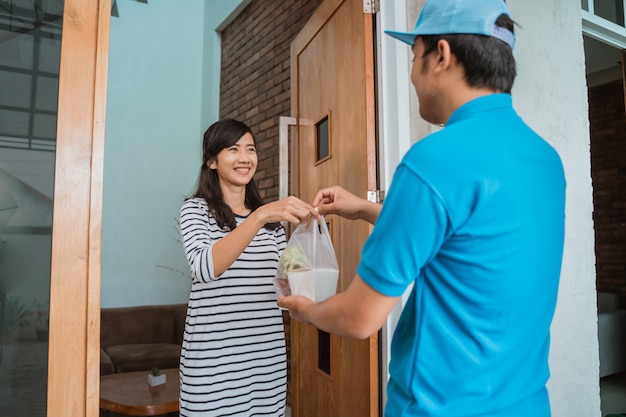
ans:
x=252 y=150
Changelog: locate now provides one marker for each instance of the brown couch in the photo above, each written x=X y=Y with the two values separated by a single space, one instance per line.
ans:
x=140 y=338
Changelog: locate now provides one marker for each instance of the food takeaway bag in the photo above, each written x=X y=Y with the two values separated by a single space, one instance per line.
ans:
x=308 y=265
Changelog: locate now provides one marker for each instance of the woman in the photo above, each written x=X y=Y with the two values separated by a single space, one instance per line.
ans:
x=233 y=359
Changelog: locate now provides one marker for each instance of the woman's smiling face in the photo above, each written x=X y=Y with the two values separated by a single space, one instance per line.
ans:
x=236 y=164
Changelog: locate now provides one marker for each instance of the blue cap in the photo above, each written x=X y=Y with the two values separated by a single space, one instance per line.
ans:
x=474 y=17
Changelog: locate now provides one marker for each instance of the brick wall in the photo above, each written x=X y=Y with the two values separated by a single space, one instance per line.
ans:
x=608 y=171
x=255 y=82
x=255 y=75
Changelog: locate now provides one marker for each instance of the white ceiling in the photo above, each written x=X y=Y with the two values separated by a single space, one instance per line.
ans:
x=600 y=56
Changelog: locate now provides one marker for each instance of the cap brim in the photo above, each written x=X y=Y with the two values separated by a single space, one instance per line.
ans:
x=406 y=37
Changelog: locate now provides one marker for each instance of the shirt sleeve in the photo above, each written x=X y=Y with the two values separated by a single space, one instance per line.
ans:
x=195 y=228
x=281 y=240
x=410 y=230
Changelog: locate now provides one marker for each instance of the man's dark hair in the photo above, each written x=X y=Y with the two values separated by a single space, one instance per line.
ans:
x=488 y=61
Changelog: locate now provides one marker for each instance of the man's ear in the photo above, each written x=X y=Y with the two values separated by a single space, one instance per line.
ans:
x=444 y=56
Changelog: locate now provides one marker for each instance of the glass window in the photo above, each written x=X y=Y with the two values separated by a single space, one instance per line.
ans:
x=613 y=10
x=323 y=351
x=322 y=139
x=30 y=49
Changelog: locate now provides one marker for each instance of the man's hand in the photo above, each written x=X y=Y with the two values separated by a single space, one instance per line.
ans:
x=357 y=312
x=336 y=200
x=297 y=306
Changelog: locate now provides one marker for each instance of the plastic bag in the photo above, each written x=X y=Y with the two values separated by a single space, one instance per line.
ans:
x=308 y=266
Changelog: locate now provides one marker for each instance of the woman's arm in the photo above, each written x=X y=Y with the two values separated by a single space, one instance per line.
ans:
x=227 y=250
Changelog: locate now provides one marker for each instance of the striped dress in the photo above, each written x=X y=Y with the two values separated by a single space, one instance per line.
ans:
x=233 y=360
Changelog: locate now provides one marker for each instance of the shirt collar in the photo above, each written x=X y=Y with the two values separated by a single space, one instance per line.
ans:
x=479 y=105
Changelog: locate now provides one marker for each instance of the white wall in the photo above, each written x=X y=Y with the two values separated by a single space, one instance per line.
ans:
x=151 y=148
x=217 y=14
x=550 y=94
x=163 y=92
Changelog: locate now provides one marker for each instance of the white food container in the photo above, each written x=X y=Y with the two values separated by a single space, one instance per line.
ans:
x=316 y=284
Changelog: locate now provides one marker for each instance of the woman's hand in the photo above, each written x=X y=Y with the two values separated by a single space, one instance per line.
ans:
x=290 y=209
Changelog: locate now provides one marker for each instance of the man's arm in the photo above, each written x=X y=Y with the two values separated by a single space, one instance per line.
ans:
x=358 y=312
x=336 y=200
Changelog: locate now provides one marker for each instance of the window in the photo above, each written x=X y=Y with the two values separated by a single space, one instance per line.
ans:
x=604 y=20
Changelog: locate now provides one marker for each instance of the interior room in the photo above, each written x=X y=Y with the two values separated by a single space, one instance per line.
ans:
x=607 y=120
x=156 y=94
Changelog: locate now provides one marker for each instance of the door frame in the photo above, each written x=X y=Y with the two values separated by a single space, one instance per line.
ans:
x=73 y=356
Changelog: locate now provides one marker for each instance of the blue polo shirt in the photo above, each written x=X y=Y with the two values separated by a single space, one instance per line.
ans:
x=474 y=219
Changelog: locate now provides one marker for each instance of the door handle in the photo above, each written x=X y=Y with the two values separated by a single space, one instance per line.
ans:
x=283 y=154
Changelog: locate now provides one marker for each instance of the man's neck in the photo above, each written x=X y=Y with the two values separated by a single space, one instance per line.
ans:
x=462 y=95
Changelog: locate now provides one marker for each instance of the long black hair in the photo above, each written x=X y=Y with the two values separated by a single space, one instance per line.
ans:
x=221 y=135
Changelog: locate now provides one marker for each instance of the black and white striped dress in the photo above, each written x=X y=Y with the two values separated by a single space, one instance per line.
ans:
x=233 y=360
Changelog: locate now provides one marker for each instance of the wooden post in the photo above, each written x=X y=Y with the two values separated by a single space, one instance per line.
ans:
x=73 y=366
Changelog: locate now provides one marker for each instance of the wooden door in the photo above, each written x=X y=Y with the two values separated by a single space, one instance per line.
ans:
x=332 y=85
